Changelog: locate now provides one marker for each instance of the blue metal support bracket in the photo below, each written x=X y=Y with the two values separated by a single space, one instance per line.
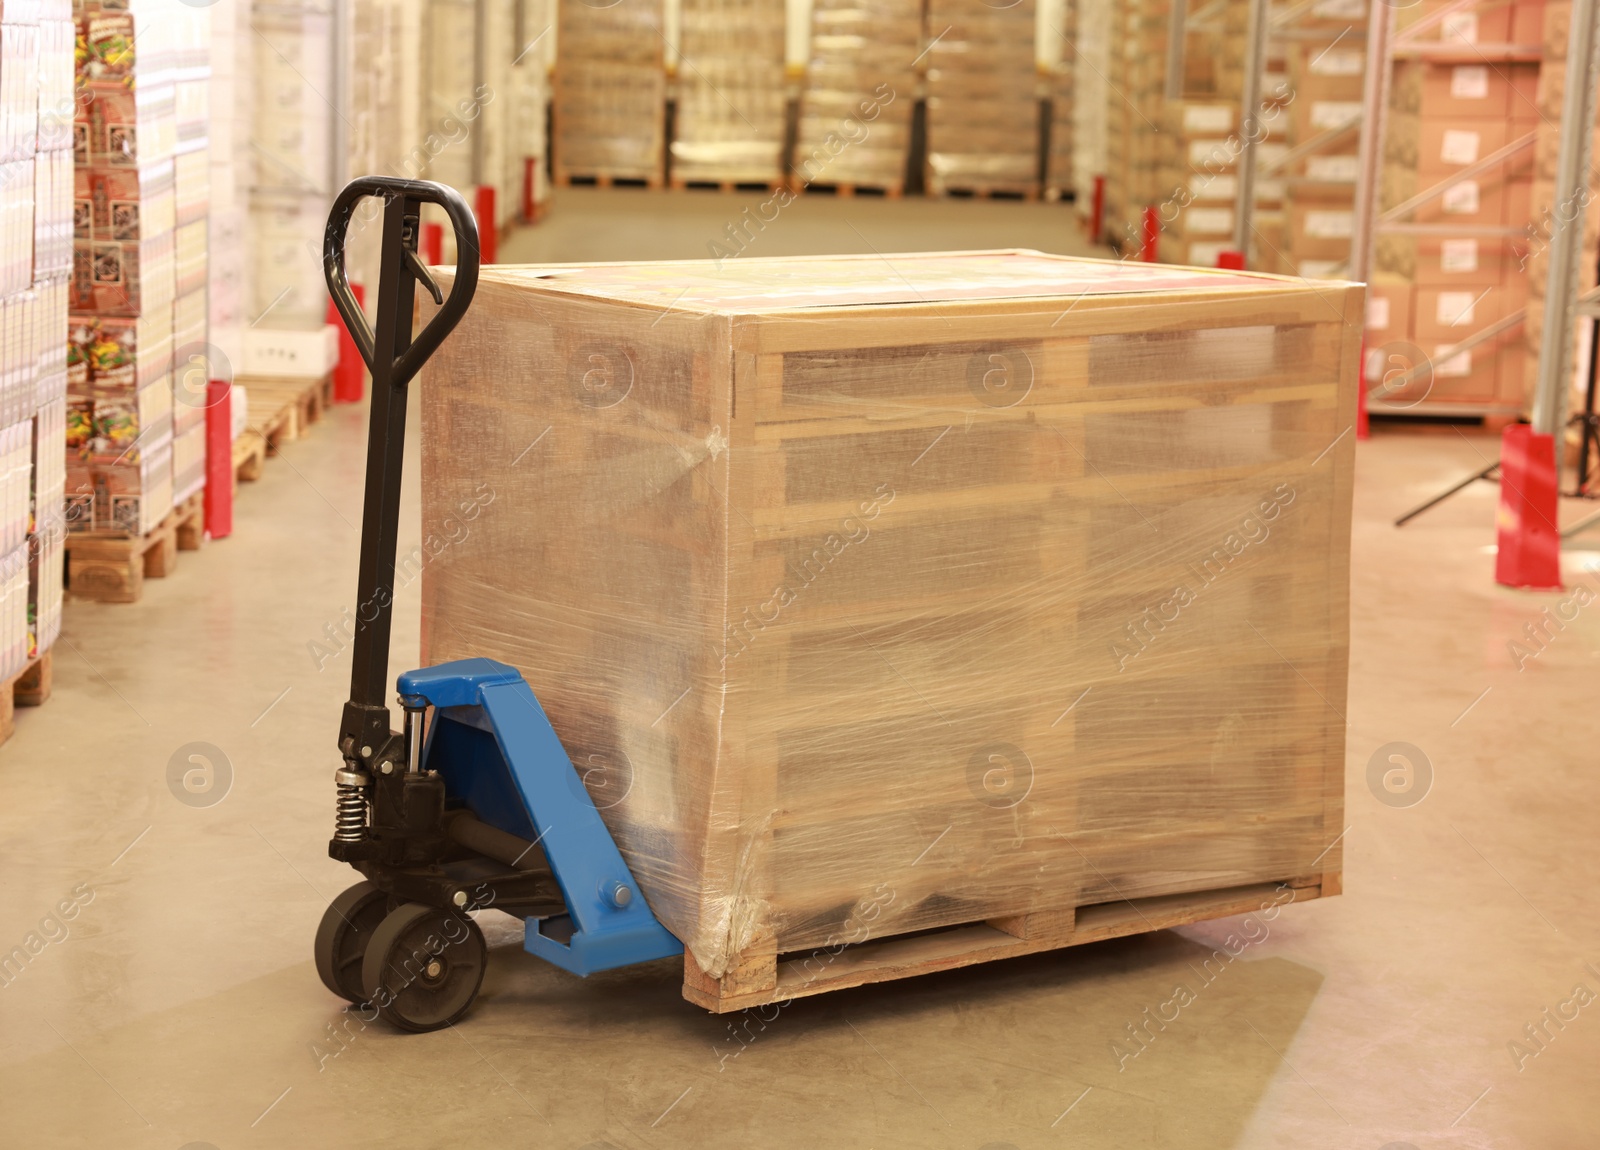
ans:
x=609 y=921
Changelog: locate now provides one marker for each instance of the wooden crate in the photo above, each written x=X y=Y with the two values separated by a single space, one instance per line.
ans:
x=852 y=582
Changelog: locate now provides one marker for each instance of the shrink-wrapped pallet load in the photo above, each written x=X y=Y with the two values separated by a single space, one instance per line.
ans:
x=983 y=98
x=610 y=92
x=974 y=593
x=732 y=103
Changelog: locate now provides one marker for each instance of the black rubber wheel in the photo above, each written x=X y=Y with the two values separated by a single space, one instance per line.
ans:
x=423 y=967
x=342 y=937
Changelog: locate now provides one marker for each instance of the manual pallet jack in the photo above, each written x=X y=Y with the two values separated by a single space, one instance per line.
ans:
x=474 y=803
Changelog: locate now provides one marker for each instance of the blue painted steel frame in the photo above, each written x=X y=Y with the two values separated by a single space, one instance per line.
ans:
x=500 y=756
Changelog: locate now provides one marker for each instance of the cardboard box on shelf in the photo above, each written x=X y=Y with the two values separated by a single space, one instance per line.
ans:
x=1477 y=91
x=1443 y=315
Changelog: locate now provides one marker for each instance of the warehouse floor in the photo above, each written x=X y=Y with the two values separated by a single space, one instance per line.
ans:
x=178 y=1006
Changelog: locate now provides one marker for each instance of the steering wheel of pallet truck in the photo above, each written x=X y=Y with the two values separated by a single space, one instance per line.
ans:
x=406 y=196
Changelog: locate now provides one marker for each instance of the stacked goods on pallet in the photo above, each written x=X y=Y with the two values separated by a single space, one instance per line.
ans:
x=229 y=141
x=983 y=97
x=36 y=136
x=192 y=360
x=1545 y=201
x=455 y=111
x=905 y=681
x=610 y=92
x=529 y=146
x=1455 y=264
x=732 y=101
x=860 y=85
x=1200 y=181
x=383 y=115
x=1326 y=75
x=292 y=184
x=1062 y=173
x=125 y=271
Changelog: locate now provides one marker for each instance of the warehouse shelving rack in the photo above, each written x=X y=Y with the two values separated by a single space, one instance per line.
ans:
x=1384 y=48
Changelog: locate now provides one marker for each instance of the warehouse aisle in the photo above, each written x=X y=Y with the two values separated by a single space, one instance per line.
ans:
x=171 y=998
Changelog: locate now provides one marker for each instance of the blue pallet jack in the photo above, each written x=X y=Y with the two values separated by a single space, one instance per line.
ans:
x=474 y=803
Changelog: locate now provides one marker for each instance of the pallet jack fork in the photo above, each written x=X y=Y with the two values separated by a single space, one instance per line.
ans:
x=474 y=803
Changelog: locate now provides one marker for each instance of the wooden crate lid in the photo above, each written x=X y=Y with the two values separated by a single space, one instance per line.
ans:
x=747 y=286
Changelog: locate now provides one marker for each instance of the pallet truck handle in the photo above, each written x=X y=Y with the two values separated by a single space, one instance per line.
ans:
x=389 y=189
x=394 y=357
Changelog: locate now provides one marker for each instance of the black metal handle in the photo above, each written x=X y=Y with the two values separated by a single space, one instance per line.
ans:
x=468 y=257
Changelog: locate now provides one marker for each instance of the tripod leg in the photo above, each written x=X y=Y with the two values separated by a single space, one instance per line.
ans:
x=1443 y=495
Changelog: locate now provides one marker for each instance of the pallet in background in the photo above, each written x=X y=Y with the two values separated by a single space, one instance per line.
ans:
x=846 y=191
x=606 y=180
x=283 y=409
x=109 y=567
x=762 y=979
x=28 y=688
x=956 y=190
x=249 y=457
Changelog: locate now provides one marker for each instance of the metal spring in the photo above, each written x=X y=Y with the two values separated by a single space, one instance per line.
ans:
x=350 y=819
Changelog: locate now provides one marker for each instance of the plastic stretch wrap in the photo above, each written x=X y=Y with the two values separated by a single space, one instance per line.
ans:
x=873 y=595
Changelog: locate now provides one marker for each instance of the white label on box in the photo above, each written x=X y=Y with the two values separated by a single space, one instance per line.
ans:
x=1208 y=221
x=1378 y=313
x=1321 y=269
x=1461 y=199
x=1213 y=119
x=1458 y=255
x=1455 y=308
x=1270 y=191
x=1373 y=369
x=1459 y=146
x=1333 y=167
x=1334 y=113
x=1327 y=225
x=1211 y=154
x=1461 y=27
x=1205 y=255
x=1456 y=366
x=1340 y=9
x=1339 y=62
x=1469 y=82
x=1219 y=187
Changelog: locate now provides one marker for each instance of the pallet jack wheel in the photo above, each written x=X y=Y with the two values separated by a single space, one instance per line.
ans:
x=423 y=967
x=342 y=937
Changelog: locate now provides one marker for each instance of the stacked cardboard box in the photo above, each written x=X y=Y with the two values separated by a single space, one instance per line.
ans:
x=1062 y=176
x=610 y=91
x=228 y=149
x=1456 y=264
x=861 y=80
x=125 y=271
x=192 y=359
x=732 y=101
x=983 y=97
x=1326 y=79
x=529 y=147
x=36 y=138
x=292 y=183
x=1546 y=200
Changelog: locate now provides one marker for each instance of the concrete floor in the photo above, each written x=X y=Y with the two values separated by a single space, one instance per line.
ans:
x=178 y=1006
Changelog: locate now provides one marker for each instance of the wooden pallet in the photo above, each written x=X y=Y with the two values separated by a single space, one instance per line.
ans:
x=605 y=180
x=762 y=979
x=960 y=191
x=110 y=567
x=691 y=183
x=30 y=687
x=846 y=191
x=282 y=410
x=249 y=457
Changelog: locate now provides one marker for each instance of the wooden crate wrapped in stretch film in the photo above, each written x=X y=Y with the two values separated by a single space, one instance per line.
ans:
x=980 y=591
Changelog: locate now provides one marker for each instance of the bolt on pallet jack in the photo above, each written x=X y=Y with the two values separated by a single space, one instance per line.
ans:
x=474 y=803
